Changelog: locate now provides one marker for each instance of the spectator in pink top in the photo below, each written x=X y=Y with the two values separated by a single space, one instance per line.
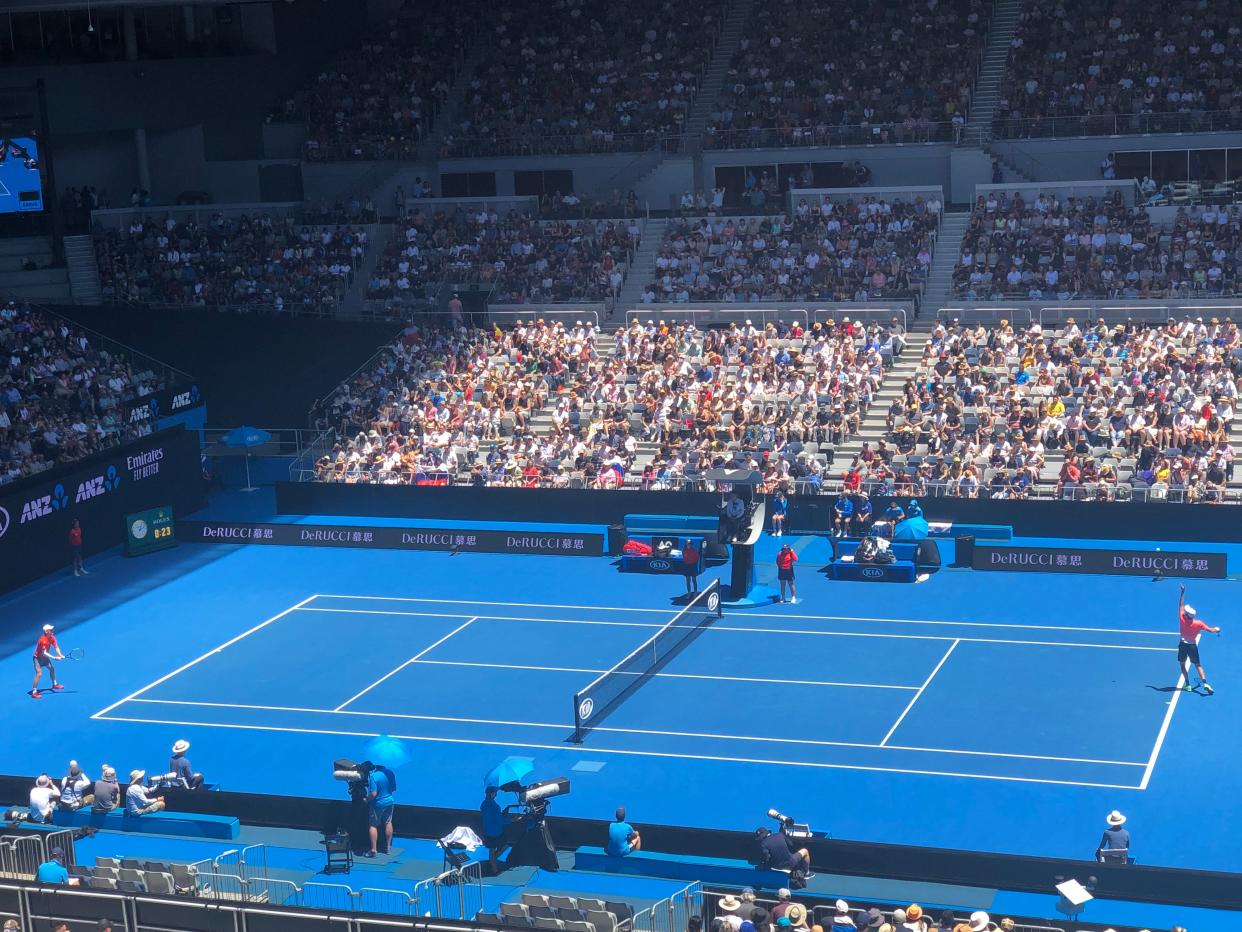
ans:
x=1188 y=648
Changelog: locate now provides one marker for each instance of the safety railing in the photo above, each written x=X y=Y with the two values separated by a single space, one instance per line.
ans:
x=374 y=900
x=138 y=362
x=824 y=134
x=20 y=856
x=671 y=914
x=1116 y=124
x=453 y=894
x=271 y=890
x=213 y=886
x=331 y=896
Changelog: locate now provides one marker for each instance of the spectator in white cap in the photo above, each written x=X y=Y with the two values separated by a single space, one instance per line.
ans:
x=179 y=767
x=42 y=795
x=783 y=897
x=980 y=921
x=1114 y=847
x=841 y=918
x=75 y=788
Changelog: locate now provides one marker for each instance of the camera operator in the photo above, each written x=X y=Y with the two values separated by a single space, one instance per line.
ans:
x=777 y=851
x=380 y=786
x=75 y=789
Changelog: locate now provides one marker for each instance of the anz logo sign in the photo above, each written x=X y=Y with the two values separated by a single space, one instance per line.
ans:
x=185 y=399
x=45 y=505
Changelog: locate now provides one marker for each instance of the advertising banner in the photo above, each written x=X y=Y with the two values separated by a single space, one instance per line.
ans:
x=162 y=404
x=1105 y=562
x=446 y=539
x=36 y=513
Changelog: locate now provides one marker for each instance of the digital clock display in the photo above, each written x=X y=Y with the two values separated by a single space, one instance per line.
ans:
x=148 y=531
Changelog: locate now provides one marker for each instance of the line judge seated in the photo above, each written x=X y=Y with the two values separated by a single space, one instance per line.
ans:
x=623 y=838
x=1114 y=847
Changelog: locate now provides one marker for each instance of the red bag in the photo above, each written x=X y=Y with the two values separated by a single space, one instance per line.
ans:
x=636 y=548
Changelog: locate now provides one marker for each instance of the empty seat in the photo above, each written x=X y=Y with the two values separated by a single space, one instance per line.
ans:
x=491 y=919
x=541 y=912
x=158 y=867
x=131 y=886
x=107 y=862
x=562 y=902
x=602 y=920
x=102 y=883
x=587 y=904
x=579 y=927
x=548 y=924
x=159 y=882
x=623 y=911
x=570 y=915
x=133 y=864
x=110 y=873
x=78 y=870
x=514 y=909
x=534 y=899
x=130 y=874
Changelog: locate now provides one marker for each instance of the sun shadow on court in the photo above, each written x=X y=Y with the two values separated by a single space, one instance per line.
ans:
x=1176 y=689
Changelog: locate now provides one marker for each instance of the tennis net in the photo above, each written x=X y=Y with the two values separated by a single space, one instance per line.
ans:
x=608 y=690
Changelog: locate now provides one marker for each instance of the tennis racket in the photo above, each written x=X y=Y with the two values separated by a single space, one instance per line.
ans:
x=76 y=654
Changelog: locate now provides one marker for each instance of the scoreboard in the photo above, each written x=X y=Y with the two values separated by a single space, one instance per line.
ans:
x=148 y=531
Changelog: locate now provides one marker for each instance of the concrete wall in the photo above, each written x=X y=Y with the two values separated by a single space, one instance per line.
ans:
x=1075 y=159
x=920 y=164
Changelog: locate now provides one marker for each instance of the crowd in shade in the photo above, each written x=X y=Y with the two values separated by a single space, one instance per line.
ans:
x=819 y=73
x=859 y=250
x=1119 y=66
x=259 y=262
x=377 y=99
x=522 y=258
x=1045 y=248
x=60 y=393
x=585 y=76
x=1094 y=411
x=667 y=402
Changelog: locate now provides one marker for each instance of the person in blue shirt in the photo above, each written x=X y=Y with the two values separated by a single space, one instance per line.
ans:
x=780 y=506
x=53 y=871
x=380 y=786
x=892 y=515
x=842 y=512
x=863 y=516
x=622 y=837
x=493 y=828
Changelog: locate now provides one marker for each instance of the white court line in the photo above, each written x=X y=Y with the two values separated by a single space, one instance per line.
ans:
x=202 y=657
x=927 y=682
x=1182 y=679
x=391 y=673
x=633 y=731
x=675 y=676
x=609 y=608
x=661 y=754
x=725 y=626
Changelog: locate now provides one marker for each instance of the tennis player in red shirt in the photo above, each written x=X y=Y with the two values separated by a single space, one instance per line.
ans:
x=46 y=650
x=1188 y=647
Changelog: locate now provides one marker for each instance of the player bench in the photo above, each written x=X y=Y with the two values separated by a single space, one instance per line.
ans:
x=902 y=571
x=191 y=824
x=724 y=871
x=707 y=527
x=951 y=529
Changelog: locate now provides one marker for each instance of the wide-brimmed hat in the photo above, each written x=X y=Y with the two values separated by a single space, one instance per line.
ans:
x=875 y=918
x=914 y=911
x=181 y=746
x=979 y=921
x=1116 y=818
x=796 y=914
x=136 y=775
x=729 y=903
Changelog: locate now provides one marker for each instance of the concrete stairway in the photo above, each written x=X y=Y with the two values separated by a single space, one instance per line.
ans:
x=83 y=270
x=638 y=276
x=42 y=283
x=713 y=81
x=450 y=114
x=380 y=235
x=992 y=69
x=939 y=288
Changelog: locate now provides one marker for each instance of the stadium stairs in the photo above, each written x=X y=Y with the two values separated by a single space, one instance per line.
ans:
x=717 y=70
x=83 y=270
x=992 y=69
x=642 y=267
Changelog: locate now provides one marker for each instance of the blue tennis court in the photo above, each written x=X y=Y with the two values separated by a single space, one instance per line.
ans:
x=877 y=693
x=958 y=712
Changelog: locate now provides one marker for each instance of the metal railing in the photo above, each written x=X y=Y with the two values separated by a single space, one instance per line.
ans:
x=669 y=142
x=825 y=134
x=138 y=362
x=453 y=894
x=20 y=856
x=1087 y=312
x=671 y=914
x=1116 y=124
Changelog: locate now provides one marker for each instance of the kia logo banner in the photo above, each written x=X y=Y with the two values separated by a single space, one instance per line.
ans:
x=471 y=540
x=1105 y=562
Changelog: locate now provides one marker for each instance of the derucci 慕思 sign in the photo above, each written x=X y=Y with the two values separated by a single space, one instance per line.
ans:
x=1101 y=562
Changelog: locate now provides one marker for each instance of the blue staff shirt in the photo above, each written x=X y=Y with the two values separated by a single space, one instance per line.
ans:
x=52 y=872
x=493 y=819
x=377 y=783
x=619 y=839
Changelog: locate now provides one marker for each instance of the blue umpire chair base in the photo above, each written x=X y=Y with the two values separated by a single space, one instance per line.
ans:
x=903 y=571
x=189 y=824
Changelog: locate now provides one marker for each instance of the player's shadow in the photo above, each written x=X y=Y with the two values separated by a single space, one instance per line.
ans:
x=1175 y=689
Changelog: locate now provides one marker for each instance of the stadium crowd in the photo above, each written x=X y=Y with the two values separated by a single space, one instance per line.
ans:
x=444 y=403
x=991 y=412
x=585 y=76
x=1046 y=248
x=861 y=250
x=823 y=73
x=60 y=393
x=376 y=100
x=261 y=262
x=526 y=260
x=1118 y=66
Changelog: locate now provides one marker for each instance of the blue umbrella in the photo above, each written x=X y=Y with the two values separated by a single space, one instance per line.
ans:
x=387 y=751
x=509 y=770
x=246 y=437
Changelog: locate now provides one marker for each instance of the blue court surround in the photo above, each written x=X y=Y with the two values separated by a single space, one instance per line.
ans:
x=991 y=711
